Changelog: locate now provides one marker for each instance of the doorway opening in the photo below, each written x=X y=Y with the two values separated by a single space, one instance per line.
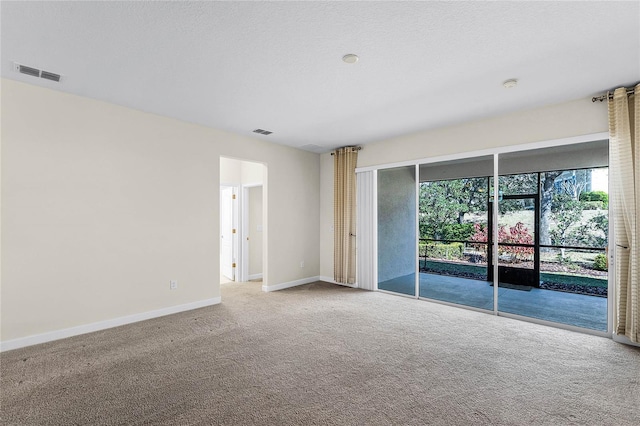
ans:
x=518 y=239
x=242 y=219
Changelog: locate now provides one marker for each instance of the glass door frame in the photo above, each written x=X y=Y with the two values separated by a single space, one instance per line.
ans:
x=533 y=278
x=496 y=152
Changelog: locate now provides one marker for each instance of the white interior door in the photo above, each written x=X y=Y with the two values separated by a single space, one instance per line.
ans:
x=251 y=233
x=227 y=234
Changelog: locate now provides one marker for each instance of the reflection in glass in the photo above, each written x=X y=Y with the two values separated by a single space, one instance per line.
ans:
x=397 y=230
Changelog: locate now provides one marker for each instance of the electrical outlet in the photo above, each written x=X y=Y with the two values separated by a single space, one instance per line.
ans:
x=302 y=264
x=173 y=284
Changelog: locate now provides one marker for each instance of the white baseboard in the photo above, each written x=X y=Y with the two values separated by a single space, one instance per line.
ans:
x=332 y=281
x=290 y=284
x=624 y=339
x=102 y=325
x=255 y=277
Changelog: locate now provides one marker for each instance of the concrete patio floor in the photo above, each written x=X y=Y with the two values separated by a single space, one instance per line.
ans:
x=566 y=308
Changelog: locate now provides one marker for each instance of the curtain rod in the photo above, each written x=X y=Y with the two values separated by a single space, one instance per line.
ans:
x=357 y=148
x=609 y=95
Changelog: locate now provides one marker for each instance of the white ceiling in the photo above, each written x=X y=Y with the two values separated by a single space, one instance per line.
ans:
x=239 y=66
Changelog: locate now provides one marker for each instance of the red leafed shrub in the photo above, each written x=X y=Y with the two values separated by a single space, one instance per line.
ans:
x=518 y=234
x=480 y=233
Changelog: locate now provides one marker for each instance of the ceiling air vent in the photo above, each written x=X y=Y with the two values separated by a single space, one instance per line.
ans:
x=262 y=132
x=35 y=72
x=28 y=71
x=50 y=76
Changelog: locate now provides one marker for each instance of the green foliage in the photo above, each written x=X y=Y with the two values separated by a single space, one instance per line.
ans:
x=570 y=229
x=595 y=232
x=600 y=262
x=571 y=279
x=457 y=231
x=451 y=251
x=547 y=182
x=592 y=205
x=444 y=204
x=566 y=213
x=595 y=196
x=455 y=269
x=524 y=183
x=445 y=207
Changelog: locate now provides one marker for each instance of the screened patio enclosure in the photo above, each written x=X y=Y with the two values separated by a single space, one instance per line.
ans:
x=444 y=231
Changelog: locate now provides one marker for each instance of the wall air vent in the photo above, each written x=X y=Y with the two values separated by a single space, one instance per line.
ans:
x=35 y=72
x=50 y=76
x=262 y=132
x=28 y=71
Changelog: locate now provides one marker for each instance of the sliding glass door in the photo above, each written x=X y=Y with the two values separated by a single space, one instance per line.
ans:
x=397 y=230
x=454 y=248
x=566 y=221
x=438 y=237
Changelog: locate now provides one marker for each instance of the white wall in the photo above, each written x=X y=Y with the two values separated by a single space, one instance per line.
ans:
x=580 y=117
x=255 y=231
x=230 y=171
x=252 y=173
x=234 y=171
x=102 y=205
x=326 y=217
x=576 y=118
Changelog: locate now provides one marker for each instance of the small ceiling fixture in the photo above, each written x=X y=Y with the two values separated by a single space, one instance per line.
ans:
x=510 y=84
x=350 y=58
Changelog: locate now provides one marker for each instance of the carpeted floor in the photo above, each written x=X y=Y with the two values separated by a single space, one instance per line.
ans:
x=322 y=354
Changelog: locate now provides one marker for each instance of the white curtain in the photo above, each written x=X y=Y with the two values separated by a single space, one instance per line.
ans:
x=624 y=132
x=364 y=240
x=344 y=215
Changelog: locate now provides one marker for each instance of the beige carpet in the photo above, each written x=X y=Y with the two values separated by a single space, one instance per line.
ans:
x=322 y=354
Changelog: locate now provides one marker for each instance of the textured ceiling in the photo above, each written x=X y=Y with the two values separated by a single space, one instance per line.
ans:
x=277 y=66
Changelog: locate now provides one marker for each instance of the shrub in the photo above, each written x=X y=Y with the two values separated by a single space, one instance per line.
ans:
x=451 y=251
x=517 y=234
x=593 y=205
x=595 y=196
x=457 y=231
x=567 y=214
x=600 y=262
